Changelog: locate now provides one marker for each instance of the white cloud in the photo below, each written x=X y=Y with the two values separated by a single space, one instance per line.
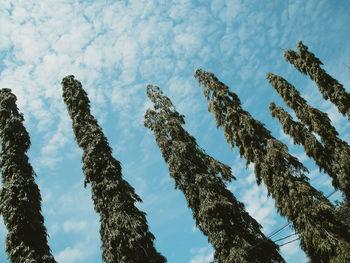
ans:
x=86 y=248
x=46 y=195
x=187 y=43
x=50 y=162
x=6 y=28
x=290 y=251
x=70 y=255
x=75 y=39
x=3 y=229
x=73 y=225
x=302 y=157
x=260 y=206
x=26 y=45
x=202 y=255
x=52 y=229
x=56 y=142
x=116 y=49
x=75 y=200
x=337 y=119
x=320 y=180
x=93 y=56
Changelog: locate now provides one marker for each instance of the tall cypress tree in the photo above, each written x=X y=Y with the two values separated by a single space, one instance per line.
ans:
x=302 y=136
x=324 y=237
x=124 y=230
x=20 y=199
x=334 y=157
x=235 y=236
x=307 y=63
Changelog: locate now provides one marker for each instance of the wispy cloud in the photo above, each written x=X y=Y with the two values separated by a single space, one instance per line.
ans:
x=260 y=206
x=115 y=49
x=202 y=255
x=70 y=255
x=72 y=225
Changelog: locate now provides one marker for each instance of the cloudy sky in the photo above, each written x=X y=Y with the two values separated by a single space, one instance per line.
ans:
x=116 y=48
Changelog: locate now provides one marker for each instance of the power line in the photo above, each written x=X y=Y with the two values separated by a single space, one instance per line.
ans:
x=289 y=242
x=273 y=233
x=295 y=233
x=278 y=230
x=287 y=224
x=329 y=195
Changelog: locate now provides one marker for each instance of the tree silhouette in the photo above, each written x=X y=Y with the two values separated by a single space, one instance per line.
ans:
x=324 y=237
x=307 y=63
x=234 y=234
x=20 y=199
x=332 y=155
x=124 y=231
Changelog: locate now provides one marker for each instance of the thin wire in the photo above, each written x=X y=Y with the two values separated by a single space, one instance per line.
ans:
x=283 y=227
x=289 y=242
x=329 y=195
x=278 y=230
x=273 y=233
x=295 y=233
x=287 y=224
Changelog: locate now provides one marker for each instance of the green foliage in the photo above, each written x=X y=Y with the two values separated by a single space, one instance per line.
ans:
x=324 y=237
x=124 y=230
x=307 y=63
x=235 y=236
x=334 y=157
x=343 y=212
x=302 y=136
x=20 y=200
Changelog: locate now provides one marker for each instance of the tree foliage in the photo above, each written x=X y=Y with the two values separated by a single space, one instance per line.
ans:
x=234 y=234
x=20 y=199
x=124 y=230
x=334 y=155
x=324 y=229
x=324 y=237
x=307 y=63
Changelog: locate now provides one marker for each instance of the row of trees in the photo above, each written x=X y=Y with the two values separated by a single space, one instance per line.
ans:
x=235 y=235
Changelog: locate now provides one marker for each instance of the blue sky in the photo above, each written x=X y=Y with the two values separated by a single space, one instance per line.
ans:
x=116 y=48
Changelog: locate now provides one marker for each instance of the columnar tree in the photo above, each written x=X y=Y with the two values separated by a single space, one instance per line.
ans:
x=334 y=155
x=324 y=237
x=234 y=234
x=20 y=199
x=307 y=63
x=124 y=231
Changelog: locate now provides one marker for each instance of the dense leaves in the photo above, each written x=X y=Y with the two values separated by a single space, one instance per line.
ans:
x=343 y=212
x=124 y=230
x=302 y=136
x=323 y=236
x=307 y=63
x=20 y=199
x=235 y=236
x=334 y=156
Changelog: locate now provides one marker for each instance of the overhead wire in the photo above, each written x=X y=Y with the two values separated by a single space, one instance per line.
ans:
x=287 y=224
x=275 y=232
x=295 y=233
x=289 y=242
